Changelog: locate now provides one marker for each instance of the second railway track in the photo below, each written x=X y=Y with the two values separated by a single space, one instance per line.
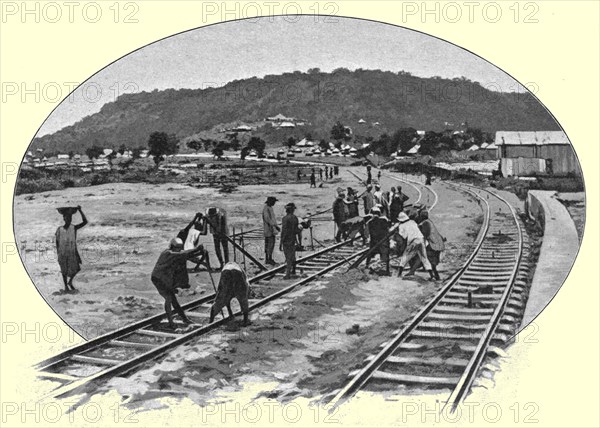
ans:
x=474 y=314
x=120 y=351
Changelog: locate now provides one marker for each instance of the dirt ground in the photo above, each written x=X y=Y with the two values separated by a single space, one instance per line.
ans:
x=300 y=345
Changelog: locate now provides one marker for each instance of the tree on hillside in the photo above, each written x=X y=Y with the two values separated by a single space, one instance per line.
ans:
x=218 y=151
x=290 y=142
x=477 y=135
x=323 y=145
x=161 y=144
x=257 y=144
x=244 y=152
x=403 y=139
x=383 y=146
x=429 y=143
x=339 y=132
x=122 y=149
x=195 y=145
x=135 y=153
x=71 y=155
x=94 y=152
x=234 y=142
x=363 y=152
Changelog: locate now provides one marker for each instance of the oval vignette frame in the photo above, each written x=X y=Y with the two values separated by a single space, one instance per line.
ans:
x=522 y=328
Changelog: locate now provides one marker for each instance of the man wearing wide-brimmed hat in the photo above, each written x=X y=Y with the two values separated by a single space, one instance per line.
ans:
x=409 y=231
x=340 y=213
x=378 y=227
x=270 y=229
x=66 y=245
x=289 y=231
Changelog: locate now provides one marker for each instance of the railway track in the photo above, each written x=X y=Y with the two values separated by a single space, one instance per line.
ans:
x=421 y=199
x=472 y=317
x=122 y=350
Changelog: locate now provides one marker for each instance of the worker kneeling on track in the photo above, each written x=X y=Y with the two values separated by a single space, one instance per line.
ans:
x=170 y=273
x=233 y=283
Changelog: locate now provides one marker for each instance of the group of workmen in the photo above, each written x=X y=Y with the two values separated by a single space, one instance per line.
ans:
x=329 y=171
x=386 y=226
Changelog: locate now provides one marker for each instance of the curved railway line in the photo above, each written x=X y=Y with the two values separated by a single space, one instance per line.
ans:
x=444 y=345
x=122 y=350
x=474 y=314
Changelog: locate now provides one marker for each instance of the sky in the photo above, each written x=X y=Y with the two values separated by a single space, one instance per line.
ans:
x=215 y=55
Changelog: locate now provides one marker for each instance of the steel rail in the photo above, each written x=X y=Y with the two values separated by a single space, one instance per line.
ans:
x=365 y=373
x=412 y=183
x=464 y=383
x=466 y=380
x=159 y=349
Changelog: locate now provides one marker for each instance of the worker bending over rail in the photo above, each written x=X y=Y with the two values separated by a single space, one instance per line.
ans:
x=409 y=232
x=232 y=284
x=170 y=273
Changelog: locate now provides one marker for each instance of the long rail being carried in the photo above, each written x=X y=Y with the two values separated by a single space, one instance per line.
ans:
x=120 y=351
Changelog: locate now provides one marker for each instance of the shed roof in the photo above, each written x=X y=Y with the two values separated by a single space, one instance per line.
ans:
x=414 y=149
x=538 y=138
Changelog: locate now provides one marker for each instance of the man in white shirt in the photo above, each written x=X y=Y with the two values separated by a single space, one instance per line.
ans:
x=190 y=235
x=409 y=231
x=270 y=229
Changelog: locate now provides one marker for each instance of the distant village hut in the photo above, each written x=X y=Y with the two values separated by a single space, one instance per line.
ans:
x=530 y=153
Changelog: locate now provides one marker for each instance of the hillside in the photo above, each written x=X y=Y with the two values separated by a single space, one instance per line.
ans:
x=394 y=100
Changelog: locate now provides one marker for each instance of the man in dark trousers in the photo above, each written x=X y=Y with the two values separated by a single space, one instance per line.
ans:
x=378 y=229
x=397 y=200
x=434 y=245
x=351 y=202
x=336 y=170
x=270 y=229
x=326 y=172
x=321 y=174
x=216 y=221
x=289 y=231
x=170 y=273
x=340 y=213
x=369 y=176
x=368 y=199
x=313 y=181
x=411 y=235
x=299 y=174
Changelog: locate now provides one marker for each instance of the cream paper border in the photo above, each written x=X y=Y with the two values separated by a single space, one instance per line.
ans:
x=553 y=377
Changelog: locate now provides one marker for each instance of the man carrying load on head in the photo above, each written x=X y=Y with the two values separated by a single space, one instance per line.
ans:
x=66 y=246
